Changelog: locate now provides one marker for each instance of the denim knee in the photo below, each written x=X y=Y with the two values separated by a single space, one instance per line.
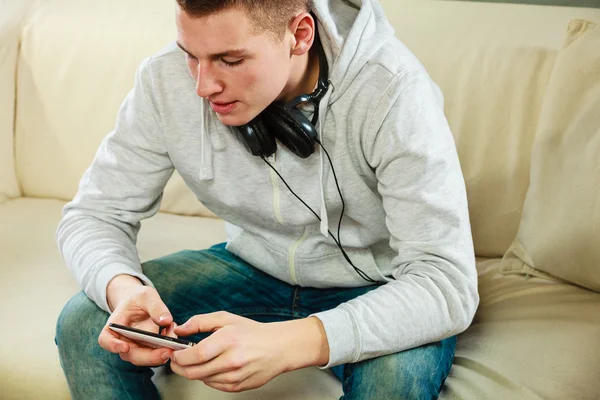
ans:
x=410 y=375
x=386 y=383
x=80 y=321
x=91 y=371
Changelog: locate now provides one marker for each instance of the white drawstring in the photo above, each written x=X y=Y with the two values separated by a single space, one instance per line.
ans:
x=323 y=107
x=206 y=167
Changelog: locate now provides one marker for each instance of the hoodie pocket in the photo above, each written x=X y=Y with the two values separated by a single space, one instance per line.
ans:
x=256 y=251
x=333 y=270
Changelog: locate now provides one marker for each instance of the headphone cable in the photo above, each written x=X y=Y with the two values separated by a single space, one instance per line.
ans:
x=338 y=240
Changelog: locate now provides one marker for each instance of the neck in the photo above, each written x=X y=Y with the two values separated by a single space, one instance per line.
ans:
x=304 y=76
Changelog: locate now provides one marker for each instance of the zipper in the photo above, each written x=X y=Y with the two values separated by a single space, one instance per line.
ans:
x=292 y=256
x=277 y=211
x=275 y=182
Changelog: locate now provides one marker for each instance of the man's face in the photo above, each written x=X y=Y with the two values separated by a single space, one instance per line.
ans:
x=238 y=71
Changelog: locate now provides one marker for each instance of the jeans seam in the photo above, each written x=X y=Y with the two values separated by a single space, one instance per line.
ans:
x=447 y=373
x=295 y=302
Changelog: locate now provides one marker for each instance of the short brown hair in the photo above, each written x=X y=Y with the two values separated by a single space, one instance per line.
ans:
x=267 y=15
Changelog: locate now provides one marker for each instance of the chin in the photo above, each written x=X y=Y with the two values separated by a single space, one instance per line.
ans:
x=234 y=119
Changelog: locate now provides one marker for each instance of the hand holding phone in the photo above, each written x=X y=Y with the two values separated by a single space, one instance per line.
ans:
x=135 y=305
x=150 y=339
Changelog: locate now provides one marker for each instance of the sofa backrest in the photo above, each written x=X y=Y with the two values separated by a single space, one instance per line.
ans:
x=78 y=60
x=77 y=64
x=10 y=21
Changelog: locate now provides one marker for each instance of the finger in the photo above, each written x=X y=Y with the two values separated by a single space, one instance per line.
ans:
x=201 y=353
x=154 y=306
x=170 y=330
x=146 y=357
x=112 y=341
x=125 y=344
x=218 y=366
x=226 y=387
x=234 y=382
x=206 y=323
x=146 y=325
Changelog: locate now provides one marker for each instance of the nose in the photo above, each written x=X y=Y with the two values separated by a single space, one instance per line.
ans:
x=206 y=83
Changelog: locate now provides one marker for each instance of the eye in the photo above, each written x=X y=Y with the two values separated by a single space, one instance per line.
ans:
x=232 y=63
x=189 y=56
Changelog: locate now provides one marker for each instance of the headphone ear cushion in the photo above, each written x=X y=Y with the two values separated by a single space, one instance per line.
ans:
x=294 y=131
x=257 y=137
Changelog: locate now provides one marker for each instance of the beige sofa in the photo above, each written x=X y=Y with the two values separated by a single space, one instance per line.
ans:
x=66 y=65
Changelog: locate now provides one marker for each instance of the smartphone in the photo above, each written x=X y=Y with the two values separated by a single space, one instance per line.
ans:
x=151 y=339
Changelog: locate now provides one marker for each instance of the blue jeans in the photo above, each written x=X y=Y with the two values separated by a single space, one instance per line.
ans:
x=197 y=282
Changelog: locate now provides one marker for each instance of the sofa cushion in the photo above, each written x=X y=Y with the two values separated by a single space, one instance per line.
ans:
x=10 y=23
x=492 y=62
x=531 y=339
x=77 y=63
x=304 y=384
x=36 y=284
x=560 y=229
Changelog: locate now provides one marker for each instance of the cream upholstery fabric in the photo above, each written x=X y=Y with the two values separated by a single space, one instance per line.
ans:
x=531 y=339
x=71 y=83
x=305 y=384
x=35 y=285
x=560 y=230
x=10 y=21
x=492 y=62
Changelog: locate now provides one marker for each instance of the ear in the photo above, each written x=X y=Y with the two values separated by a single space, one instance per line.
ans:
x=302 y=28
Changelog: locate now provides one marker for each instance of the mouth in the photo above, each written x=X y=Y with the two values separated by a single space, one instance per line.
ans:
x=223 y=108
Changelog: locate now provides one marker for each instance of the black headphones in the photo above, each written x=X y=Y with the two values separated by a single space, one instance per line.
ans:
x=283 y=121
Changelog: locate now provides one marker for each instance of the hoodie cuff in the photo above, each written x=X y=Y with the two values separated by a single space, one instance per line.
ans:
x=342 y=335
x=97 y=290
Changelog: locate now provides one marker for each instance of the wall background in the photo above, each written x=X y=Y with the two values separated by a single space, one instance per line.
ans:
x=570 y=3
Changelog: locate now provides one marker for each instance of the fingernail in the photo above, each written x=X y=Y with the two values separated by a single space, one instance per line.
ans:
x=163 y=317
x=165 y=356
x=122 y=349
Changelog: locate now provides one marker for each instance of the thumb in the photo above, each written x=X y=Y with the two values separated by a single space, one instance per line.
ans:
x=157 y=310
x=206 y=323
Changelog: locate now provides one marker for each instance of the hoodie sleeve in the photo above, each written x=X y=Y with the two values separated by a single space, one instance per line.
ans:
x=124 y=184
x=433 y=293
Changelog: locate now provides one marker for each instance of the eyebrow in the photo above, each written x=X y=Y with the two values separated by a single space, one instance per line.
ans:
x=228 y=53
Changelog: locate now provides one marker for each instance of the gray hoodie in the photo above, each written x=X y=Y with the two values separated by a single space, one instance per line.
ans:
x=406 y=222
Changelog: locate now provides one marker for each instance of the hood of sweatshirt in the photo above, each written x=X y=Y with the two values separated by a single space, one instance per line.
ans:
x=351 y=32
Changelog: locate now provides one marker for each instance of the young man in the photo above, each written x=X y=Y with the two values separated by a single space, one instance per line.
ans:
x=279 y=295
